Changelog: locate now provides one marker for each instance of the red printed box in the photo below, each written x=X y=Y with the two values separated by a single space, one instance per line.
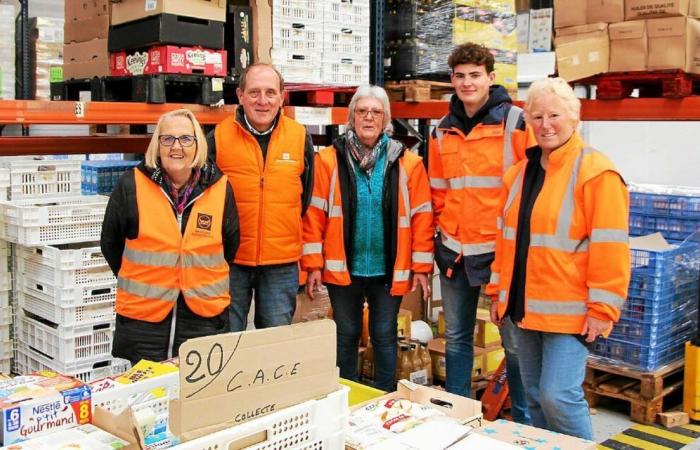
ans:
x=169 y=59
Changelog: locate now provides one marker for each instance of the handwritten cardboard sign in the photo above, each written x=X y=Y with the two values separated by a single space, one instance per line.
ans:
x=231 y=378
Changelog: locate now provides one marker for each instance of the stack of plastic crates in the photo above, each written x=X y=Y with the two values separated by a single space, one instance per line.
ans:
x=100 y=177
x=660 y=313
x=64 y=292
x=346 y=42
x=674 y=211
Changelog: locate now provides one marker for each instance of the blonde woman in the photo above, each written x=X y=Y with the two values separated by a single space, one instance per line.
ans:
x=170 y=229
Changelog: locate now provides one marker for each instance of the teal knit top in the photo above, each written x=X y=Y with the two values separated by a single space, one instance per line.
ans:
x=368 y=258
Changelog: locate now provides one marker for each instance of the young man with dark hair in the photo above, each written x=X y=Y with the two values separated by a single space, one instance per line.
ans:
x=469 y=151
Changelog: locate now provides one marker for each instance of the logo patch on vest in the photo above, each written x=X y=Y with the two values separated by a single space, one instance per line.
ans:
x=203 y=223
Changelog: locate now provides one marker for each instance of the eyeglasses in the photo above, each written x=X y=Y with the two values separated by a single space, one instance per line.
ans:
x=362 y=112
x=186 y=140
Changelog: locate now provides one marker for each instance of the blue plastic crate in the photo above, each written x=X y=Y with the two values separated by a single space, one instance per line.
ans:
x=645 y=308
x=653 y=287
x=100 y=177
x=665 y=264
x=669 y=227
x=640 y=357
x=667 y=205
x=655 y=334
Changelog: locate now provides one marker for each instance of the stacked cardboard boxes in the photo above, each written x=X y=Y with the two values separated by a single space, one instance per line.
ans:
x=167 y=36
x=85 y=51
x=601 y=36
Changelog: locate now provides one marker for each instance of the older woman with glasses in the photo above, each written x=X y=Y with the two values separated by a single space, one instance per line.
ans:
x=170 y=229
x=368 y=232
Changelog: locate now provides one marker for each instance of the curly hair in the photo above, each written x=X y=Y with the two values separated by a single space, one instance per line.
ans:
x=471 y=53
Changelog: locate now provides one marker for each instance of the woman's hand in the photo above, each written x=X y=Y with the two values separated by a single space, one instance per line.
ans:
x=594 y=328
x=422 y=280
x=494 y=313
x=313 y=283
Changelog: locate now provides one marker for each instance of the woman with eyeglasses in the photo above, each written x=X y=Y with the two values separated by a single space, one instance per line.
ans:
x=170 y=229
x=368 y=232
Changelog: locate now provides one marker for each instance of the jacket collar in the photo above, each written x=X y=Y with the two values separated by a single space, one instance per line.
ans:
x=394 y=148
x=568 y=151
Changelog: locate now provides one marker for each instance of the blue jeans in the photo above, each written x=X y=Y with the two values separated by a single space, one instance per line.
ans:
x=459 y=301
x=552 y=367
x=347 y=302
x=275 y=294
x=518 y=399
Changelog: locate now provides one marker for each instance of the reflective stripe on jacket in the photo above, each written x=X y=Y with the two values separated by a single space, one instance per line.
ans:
x=408 y=244
x=161 y=262
x=466 y=179
x=578 y=261
x=268 y=193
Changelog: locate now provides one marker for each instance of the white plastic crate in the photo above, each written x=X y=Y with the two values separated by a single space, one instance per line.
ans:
x=298 y=67
x=298 y=9
x=116 y=398
x=6 y=366
x=4 y=183
x=348 y=40
x=345 y=71
x=49 y=222
x=92 y=276
x=7 y=348
x=67 y=296
x=312 y=425
x=43 y=178
x=344 y=12
x=297 y=35
x=5 y=281
x=27 y=361
x=70 y=316
x=65 y=256
x=5 y=308
x=66 y=344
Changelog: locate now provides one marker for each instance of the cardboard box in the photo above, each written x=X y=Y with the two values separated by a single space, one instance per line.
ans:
x=465 y=410
x=582 y=51
x=694 y=8
x=245 y=375
x=492 y=358
x=441 y=325
x=403 y=322
x=674 y=44
x=608 y=11
x=85 y=9
x=83 y=437
x=166 y=29
x=649 y=9
x=437 y=348
x=569 y=13
x=262 y=30
x=540 y=35
x=486 y=332
x=37 y=405
x=523 y=32
x=238 y=39
x=628 y=46
x=129 y=10
x=533 y=438
x=83 y=30
x=413 y=301
x=85 y=59
x=169 y=59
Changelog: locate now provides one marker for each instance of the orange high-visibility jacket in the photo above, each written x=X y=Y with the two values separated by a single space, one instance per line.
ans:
x=161 y=262
x=328 y=221
x=268 y=193
x=578 y=262
x=466 y=176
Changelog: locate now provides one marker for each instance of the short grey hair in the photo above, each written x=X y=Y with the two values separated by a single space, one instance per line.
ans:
x=380 y=94
x=558 y=87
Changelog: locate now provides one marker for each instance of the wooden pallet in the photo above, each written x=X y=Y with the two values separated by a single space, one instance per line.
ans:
x=645 y=391
x=418 y=90
x=664 y=83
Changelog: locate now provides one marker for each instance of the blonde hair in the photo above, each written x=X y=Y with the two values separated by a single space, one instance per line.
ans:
x=558 y=87
x=374 y=92
x=152 y=158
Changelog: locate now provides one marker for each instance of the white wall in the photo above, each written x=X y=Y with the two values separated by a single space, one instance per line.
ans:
x=650 y=152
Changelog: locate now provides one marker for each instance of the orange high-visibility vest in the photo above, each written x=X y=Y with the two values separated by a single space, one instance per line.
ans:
x=466 y=178
x=323 y=224
x=578 y=261
x=161 y=262
x=268 y=193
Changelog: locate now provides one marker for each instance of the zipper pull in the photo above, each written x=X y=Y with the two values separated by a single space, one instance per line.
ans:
x=262 y=182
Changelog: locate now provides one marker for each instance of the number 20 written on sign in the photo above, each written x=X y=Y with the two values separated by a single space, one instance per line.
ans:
x=207 y=369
